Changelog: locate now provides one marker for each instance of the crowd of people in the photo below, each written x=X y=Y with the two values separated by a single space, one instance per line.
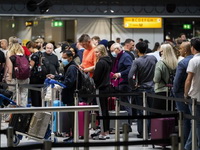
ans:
x=114 y=66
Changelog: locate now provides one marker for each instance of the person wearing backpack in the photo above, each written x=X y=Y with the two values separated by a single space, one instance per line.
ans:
x=69 y=79
x=17 y=69
x=167 y=63
x=38 y=72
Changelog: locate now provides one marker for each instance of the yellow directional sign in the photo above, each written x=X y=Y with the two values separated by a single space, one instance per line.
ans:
x=138 y=22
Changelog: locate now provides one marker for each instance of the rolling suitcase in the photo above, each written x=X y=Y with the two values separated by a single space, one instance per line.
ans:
x=62 y=127
x=39 y=124
x=20 y=122
x=121 y=122
x=81 y=119
x=161 y=128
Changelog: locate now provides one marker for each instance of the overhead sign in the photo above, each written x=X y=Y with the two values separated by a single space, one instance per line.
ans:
x=187 y=26
x=29 y=23
x=57 y=24
x=138 y=22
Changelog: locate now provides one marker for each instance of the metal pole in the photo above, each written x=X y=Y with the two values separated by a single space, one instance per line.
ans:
x=194 y=124
x=47 y=145
x=52 y=118
x=125 y=135
x=117 y=124
x=76 y=134
x=86 y=130
x=10 y=137
x=42 y=97
x=145 y=131
x=17 y=92
x=180 y=129
x=174 y=141
x=93 y=120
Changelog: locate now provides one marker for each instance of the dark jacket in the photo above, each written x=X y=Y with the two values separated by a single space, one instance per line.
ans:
x=102 y=72
x=124 y=67
x=53 y=63
x=181 y=75
x=69 y=79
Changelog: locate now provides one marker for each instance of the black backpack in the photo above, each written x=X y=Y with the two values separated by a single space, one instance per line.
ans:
x=85 y=85
x=42 y=68
x=171 y=77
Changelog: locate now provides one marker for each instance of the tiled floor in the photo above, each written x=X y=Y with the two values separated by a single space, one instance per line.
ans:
x=132 y=137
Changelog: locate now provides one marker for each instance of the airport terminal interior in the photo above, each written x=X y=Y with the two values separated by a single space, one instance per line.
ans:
x=66 y=20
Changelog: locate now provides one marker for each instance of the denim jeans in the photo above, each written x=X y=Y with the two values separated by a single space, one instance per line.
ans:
x=139 y=101
x=182 y=107
x=188 y=145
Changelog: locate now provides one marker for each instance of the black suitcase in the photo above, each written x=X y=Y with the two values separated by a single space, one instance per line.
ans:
x=21 y=122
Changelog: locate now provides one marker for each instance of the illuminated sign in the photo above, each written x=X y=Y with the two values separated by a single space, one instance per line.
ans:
x=187 y=26
x=57 y=24
x=29 y=23
x=138 y=22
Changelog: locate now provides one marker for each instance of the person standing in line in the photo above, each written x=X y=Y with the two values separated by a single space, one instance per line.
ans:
x=119 y=74
x=167 y=64
x=191 y=88
x=129 y=45
x=89 y=57
x=34 y=79
x=52 y=59
x=102 y=82
x=141 y=79
x=69 y=79
x=80 y=51
x=95 y=40
x=179 y=82
x=4 y=46
x=14 y=49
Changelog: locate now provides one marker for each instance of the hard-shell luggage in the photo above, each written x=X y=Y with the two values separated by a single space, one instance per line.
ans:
x=39 y=124
x=161 y=128
x=20 y=122
x=60 y=125
x=111 y=103
x=81 y=119
x=121 y=122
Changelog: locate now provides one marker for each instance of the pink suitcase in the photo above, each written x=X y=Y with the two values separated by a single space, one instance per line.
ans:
x=81 y=119
x=161 y=128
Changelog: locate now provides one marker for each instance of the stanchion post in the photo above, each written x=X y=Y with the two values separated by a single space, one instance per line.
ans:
x=125 y=135
x=86 y=129
x=42 y=97
x=194 y=124
x=10 y=136
x=145 y=132
x=17 y=92
x=180 y=129
x=76 y=134
x=93 y=120
x=47 y=145
x=117 y=124
x=174 y=141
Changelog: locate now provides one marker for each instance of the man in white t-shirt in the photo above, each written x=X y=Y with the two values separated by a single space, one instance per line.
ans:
x=192 y=85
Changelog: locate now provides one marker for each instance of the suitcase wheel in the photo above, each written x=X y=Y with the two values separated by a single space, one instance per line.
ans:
x=16 y=140
x=55 y=140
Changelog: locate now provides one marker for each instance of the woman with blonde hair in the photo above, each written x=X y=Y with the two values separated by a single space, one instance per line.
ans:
x=102 y=81
x=14 y=49
x=164 y=67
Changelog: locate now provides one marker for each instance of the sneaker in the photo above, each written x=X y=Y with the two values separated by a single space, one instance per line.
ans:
x=96 y=133
x=102 y=137
x=107 y=136
x=69 y=140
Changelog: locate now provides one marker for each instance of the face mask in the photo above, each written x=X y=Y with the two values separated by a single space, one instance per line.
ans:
x=65 y=62
x=160 y=53
x=113 y=54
